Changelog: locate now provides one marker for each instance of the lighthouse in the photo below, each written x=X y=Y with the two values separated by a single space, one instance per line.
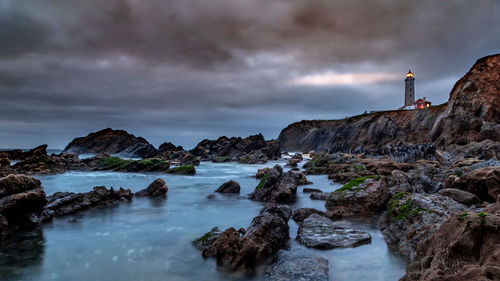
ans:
x=409 y=89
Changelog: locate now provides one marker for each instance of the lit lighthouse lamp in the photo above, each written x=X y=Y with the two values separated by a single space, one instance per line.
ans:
x=409 y=74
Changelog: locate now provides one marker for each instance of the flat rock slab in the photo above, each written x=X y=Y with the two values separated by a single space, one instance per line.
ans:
x=297 y=265
x=320 y=232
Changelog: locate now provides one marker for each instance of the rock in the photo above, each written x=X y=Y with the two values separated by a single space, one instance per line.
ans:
x=465 y=247
x=229 y=187
x=297 y=156
x=244 y=250
x=109 y=141
x=412 y=218
x=362 y=196
x=296 y=264
x=277 y=187
x=319 y=196
x=22 y=200
x=168 y=147
x=211 y=196
x=311 y=190
x=320 y=232
x=261 y=173
x=485 y=183
x=18 y=154
x=462 y=197
x=293 y=162
x=301 y=214
x=410 y=183
x=384 y=166
x=183 y=170
x=252 y=149
x=64 y=203
x=207 y=239
x=156 y=189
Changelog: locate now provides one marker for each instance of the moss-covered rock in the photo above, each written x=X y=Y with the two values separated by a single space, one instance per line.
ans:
x=183 y=170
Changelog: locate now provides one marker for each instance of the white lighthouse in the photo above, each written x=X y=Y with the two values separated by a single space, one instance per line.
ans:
x=409 y=89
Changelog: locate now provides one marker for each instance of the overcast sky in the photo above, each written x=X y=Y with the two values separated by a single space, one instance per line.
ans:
x=185 y=70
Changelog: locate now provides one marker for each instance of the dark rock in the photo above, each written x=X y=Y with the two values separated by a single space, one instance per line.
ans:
x=109 y=141
x=296 y=264
x=297 y=156
x=207 y=239
x=463 y=197
x=320 y=232
x=277 y=187
x=311 y=190
x=156 y=189
x=168 y=146
x=485 y=183
x=229 y=187
x=18 y=154
x=319 y=196
x=301 y=214
x=261 y=173
x=211 y=196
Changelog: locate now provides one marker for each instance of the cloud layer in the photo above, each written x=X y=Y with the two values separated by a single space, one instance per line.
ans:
x=186 y=70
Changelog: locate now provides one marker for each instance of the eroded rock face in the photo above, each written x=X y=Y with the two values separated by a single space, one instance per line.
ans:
x=413 y=218
x=64 y=203
x=485 y=183
x=109 y=141
x=365 y=199
x=22 y=201
x=320 y=232
x=229 y=187
x=296 y=264
x=465 y=247
x=277 y=187
x=157 y=188
x=250 y=150
x=244 y=250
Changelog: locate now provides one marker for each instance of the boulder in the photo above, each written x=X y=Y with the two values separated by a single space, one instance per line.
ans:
x=319 y=196
x=301 y=214
x=311 y=190
x=156 y=189
x=296 y=264
x=320 y=232
x=277 y=187
x=361 y=196
x=484 y=183
x=183 y=170
x=229 y=187
x=461 y=196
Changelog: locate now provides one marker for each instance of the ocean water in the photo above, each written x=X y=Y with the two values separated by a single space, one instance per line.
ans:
x=150 y=239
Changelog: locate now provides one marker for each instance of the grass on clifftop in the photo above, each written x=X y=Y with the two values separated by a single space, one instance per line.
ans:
x=262 y=182
x=351 y=185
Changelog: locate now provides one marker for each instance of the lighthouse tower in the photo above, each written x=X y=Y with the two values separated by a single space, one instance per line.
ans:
x=409 y=89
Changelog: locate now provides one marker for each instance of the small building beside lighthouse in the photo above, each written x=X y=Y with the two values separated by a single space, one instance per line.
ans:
x=410 y=102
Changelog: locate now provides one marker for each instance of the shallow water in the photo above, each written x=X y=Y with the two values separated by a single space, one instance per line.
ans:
x=150 y=239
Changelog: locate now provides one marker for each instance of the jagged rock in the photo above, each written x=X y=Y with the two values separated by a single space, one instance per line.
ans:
x=22 y=200
x=63 y=203
x=296 y=264
x=301 y=214
x=485 y=183
x=252 y=149
x=18 y=154
x=311 y=190
x=207 y=239
x=320 y=232
x=109 y=141
x=465 y=247
x=412 y=218
x=156 y=189
x=229 y=187
x=410 y=183
x=277 y=187
x=362 y=196
x=319 y=196
x=462 y=197
x=244 y=250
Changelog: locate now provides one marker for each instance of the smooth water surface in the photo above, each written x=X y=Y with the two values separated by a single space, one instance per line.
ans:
x=150 y=239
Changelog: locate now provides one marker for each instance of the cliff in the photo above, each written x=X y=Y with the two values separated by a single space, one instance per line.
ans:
x=471 y=115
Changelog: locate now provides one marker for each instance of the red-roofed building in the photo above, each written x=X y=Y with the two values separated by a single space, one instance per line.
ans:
x=422 y=103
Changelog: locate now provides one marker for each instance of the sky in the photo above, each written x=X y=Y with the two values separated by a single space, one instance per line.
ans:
x=186 y=70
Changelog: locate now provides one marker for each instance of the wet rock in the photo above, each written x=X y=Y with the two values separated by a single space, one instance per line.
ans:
x=319 y=196
x=297 y=156
x=465 y=247
x=311 y=190
x=229 y=187
x=277 y=187
x=301 y=214
x=207 y=239
x=211 y=196
x=293 y=162
x=156 y=189
x=484 y=183
x=320 y=232
x=64 y=203
x=296 y=264
x=22 y=201
x=463 y=197
x=107 y=163
x=413 y=218
x=183 y=170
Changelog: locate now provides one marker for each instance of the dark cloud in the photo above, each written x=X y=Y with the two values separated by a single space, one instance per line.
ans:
x=186 y=70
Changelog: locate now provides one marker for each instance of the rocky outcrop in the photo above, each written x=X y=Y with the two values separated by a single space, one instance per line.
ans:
x=277 y=186
x=299 y=215
x=413 y=218
x=362 y=196
x=22 y=202
x=320 y=232
x=64 y=203
x=183 y=170
x=250 y=150
x=157 y=188
x=207 y=239
x=296 y=264
x=109 y=141
x=107 y=163
x=229 y=187
x=472 y=114
x=245 y=249
x=465 y=247
x=18 y=154
x=485 y=183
